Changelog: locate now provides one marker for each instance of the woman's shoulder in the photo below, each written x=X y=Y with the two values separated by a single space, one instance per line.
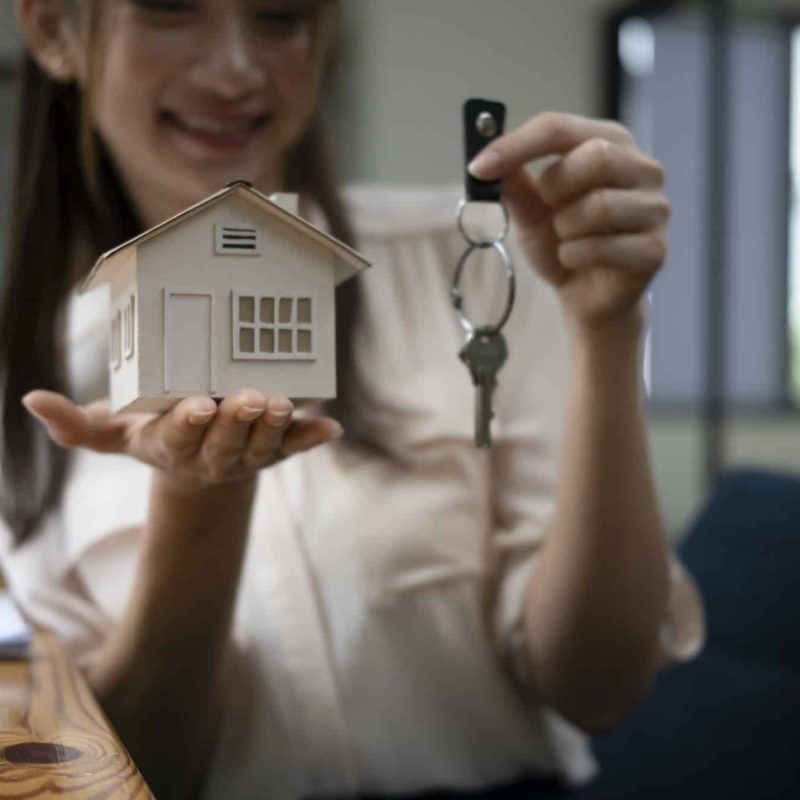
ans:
x=397 y=210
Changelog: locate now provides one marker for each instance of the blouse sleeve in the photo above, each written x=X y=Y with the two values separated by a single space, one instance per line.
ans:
x=76 y=571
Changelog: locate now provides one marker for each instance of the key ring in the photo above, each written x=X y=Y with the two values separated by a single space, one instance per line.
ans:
x=486 y=242
x=455 y=291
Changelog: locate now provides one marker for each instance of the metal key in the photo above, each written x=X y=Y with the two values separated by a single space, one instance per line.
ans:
x=484 y=353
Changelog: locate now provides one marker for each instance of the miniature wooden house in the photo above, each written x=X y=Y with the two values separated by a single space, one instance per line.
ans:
x=236 y=291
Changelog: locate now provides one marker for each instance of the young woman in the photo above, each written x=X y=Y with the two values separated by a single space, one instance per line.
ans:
x=396 y=611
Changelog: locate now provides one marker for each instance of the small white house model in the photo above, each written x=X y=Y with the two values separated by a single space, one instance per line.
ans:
x=236 y=291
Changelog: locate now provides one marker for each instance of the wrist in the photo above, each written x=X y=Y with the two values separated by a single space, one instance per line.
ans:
x=608 y=357
x=195 y=491
x=188 y=514
x=619 y=335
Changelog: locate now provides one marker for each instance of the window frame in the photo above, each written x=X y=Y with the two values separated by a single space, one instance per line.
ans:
x=128 y=331
x=115 y=340
x=257 y=325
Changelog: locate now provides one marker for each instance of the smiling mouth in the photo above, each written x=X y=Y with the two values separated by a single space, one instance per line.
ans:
x=217 y=133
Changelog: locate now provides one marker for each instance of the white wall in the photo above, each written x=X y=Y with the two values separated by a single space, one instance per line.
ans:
x=409 y=64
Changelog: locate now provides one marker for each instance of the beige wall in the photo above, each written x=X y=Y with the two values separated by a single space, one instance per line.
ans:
x=409 y=64
x=765 y=441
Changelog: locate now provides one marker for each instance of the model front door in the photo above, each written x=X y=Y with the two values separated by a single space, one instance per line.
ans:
x=188 y=342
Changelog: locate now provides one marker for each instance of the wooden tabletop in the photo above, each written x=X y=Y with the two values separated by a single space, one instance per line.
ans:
x=55 y=742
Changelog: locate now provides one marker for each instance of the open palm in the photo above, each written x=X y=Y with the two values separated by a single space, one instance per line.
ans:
x=196 y=441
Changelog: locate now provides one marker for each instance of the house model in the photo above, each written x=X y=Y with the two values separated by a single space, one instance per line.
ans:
x=236 y=291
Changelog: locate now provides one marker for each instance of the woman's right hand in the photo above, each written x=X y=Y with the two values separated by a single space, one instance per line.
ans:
x=196 y=442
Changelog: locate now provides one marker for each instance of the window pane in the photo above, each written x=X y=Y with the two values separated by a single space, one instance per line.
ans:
x=303 y=341
x=267 y=312
x=266 y=340
x=246 y=309
x=284 y=341
x=285 y=309
x=246 y=340
x=666 y=102
x=304 y=310
x=130 y=326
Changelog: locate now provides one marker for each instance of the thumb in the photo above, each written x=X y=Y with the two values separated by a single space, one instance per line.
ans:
x=71 y=425
x=533 y=220
x=525 y=205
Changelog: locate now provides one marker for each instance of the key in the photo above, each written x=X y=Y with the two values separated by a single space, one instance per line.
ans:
x=484 y=353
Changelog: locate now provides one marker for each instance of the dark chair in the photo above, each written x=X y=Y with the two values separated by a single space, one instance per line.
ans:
x=726 y=725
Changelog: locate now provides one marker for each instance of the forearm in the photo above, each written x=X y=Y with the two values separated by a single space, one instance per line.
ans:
x=598 y=596
x=159 y=674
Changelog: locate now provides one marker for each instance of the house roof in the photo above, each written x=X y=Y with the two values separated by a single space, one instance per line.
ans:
x=348 y=261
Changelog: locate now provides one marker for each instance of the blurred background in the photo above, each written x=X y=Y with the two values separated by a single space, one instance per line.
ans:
x=712 y=89
x=719 y=111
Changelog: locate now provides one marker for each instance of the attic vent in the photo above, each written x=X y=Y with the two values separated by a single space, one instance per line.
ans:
x=236 y=240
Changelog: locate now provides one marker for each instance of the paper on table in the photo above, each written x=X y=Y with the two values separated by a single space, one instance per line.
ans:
x=15 y=633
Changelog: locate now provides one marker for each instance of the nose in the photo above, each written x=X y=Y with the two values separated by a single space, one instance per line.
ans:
x=227 y=65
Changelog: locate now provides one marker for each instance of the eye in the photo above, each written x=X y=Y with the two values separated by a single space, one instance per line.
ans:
x=166 y=6
x=285 y=20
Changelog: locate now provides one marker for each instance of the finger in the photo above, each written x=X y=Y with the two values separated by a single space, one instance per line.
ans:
x=179 y=432
x=71 y=425
x=303 y=434
x=549 y=133
x=267 y=432
x=526 y=206
x=612 y=211
x=594 y=164
x=226 y=437
x=624 y=251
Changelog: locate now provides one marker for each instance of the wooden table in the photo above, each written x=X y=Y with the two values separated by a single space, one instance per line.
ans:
x=55 y=742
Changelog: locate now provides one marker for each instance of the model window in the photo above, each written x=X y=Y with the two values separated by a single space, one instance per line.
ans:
x=128 y=327
x=241 y=240
x=116 y=357
x=273 y=327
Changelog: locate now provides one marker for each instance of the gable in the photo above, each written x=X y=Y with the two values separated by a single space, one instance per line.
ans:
x=346 y=262
x=191 y=249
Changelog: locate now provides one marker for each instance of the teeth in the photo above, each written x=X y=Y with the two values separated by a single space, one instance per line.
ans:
x=215 y=127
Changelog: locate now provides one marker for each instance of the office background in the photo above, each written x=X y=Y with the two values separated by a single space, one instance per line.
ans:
x=405 y=68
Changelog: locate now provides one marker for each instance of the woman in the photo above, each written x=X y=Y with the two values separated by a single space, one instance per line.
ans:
x=366 y=618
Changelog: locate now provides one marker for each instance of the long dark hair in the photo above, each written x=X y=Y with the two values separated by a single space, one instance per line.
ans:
x=68 y=206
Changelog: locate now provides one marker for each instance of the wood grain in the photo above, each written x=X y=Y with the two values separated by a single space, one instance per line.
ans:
x=55 y=742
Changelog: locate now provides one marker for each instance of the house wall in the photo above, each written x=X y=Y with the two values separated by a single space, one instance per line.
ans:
x=124 y=383
x=183 y=258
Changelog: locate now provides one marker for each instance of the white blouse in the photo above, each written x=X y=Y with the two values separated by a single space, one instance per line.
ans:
x=378 y=647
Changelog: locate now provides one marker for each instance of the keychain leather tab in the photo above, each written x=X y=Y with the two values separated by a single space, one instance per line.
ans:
x=483 y=123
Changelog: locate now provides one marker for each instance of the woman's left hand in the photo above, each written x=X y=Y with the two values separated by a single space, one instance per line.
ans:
x=593 y=221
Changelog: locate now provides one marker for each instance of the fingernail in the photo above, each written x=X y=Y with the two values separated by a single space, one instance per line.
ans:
x=200 y=417
x=248 y=413
x=484 y=164
x=277 y=418
x=337 y=431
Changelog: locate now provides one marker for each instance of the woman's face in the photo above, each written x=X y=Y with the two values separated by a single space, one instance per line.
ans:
x=192 y=94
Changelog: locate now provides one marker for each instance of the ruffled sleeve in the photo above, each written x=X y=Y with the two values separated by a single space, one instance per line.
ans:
x=75 y=573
